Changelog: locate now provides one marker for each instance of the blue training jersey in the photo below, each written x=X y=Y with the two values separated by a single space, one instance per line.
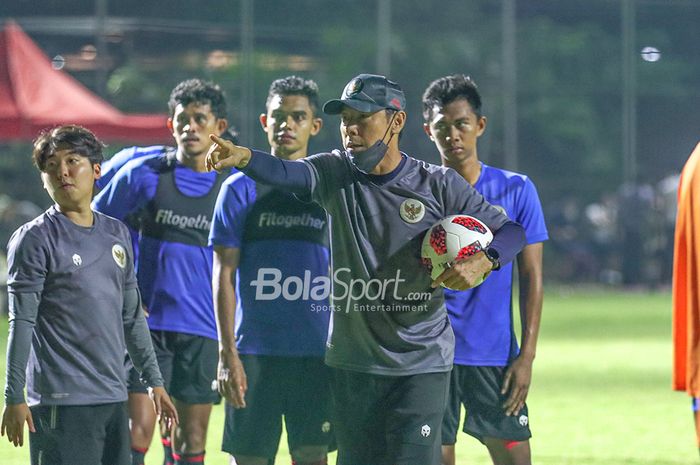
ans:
x=114 y=164
x=482 y=318
x=281 y=309
x=121 y=158
x=174 y=276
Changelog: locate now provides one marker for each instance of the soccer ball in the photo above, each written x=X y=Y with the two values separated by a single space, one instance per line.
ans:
x=452 y=238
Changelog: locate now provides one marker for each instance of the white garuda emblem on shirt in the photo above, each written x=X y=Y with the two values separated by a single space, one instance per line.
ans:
x=119 y=255
x=412 y=210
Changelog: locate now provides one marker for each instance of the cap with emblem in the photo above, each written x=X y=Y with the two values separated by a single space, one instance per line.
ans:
x=368 y=93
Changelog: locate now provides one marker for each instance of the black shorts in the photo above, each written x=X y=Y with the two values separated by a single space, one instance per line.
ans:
x=80 y=435
x=388 y=420
x=188 y=364
x=479 y=389
x=296 y=388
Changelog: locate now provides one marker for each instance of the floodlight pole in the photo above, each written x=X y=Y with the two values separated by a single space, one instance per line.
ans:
x=247 y=114
x=101 y=47
x=510 y=85
x=384 y=37
x=629 y=93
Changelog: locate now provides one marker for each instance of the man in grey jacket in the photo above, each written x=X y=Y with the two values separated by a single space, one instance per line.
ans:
x=74 y=310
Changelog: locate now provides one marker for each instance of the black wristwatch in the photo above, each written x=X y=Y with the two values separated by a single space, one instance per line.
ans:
x=494 y=257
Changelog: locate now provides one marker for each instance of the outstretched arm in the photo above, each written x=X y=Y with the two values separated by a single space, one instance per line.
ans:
x=293 y=176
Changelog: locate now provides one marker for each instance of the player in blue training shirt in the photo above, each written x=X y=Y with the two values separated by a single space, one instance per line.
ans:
x=74 y=310
x=491 y=377
x=390 y=346
x=170 y=198
x=114 y=164
x=271 y=247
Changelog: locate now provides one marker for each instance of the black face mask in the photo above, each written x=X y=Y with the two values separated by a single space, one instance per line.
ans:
x=367 y=160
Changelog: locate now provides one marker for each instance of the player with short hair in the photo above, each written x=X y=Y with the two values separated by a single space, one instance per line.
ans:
x=169 y=198
x=74 y=310
x=491 y=377
x=390 y=344
x=263 y=239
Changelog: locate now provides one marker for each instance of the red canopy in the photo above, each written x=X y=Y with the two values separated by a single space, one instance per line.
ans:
x=34 y=96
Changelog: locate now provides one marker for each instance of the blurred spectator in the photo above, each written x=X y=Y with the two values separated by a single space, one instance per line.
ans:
x=602 y=221
x=637 y=229
x=571 y=256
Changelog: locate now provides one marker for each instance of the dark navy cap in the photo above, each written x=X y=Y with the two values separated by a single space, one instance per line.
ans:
x=368 y=93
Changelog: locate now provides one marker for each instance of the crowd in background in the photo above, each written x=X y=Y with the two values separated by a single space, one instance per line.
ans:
x=623 y=238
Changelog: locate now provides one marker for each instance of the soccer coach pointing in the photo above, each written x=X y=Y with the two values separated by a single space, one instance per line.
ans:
x=392 y=350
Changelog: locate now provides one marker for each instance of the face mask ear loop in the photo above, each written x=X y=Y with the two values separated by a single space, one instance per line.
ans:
x=391 y=121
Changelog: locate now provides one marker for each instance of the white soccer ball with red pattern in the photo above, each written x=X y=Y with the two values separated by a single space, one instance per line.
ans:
x=452 y=238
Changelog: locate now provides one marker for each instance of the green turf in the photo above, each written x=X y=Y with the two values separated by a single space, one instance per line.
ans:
x=601 y=390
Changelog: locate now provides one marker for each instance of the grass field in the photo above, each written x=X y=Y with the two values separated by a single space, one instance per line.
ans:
x=600 y=396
